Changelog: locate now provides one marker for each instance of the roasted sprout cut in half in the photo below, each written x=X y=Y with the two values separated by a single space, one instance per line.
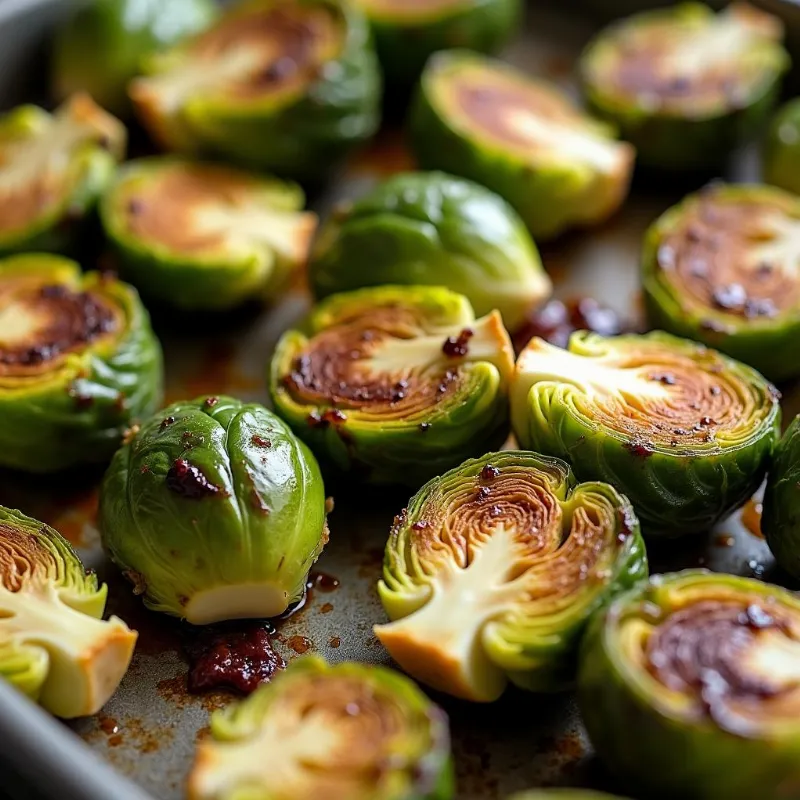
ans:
x=214 y=511
x=79 y=363
x=202 y=236
x=53 y=169
x=689 y=687
x=721 y=268
x=407 y=33
x=781 y=150
x=284 y=85
x=343 y=732
x=54 y=645
x=686 y=85
x=100 y=47
x=396 y=383
x=428 y=228
x=685 y=432
x=493 y=570
x=521 y=138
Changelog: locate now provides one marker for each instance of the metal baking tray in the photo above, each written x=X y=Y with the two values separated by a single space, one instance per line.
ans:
x=141 y=745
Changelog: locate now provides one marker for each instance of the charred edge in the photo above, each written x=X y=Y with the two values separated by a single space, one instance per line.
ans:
x=331 y=416
x=458 y=346
x=639 y=448
x=186 y=480
x=489 y=473
x=259 y=441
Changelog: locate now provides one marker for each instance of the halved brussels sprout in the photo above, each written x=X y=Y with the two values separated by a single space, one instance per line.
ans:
x=721 y=268
x=520 y=137
x=686 y=85
x=493 y=570
x=396 y=383
x=689 y=686
x=428 y=228
x=203 y=236
x=54 y=646
x=780 y=521
x=685 y=432
x=79 y=363
x=283 y=85
x=214 y=510
x=100 y=47
x=53 y=169
x=781 y=151
x=342 y=732
x=407 y=33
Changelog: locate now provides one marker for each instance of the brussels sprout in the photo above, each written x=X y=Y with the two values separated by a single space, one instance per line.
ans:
x=494 y=568
x=284 y=85
x=688 y=686
x=397 y=383
x=720 y=267
x=54 y=646
x=781 y=151
x=215 y=511
x=202 y=236
x=53 y=169
x=521 y=138
x=407 y=33
x=432 y=229
x=78 y=363
x=100 y=47
x=686 y=85
x=343 y=732
x=685 y=432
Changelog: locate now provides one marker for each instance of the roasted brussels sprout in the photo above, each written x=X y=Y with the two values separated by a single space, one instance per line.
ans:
x=396 y=383
x=54 y=646
x=432 y=229
x=686 y=85
x=283 y=85
x=780 y=521
x=720 y=268
x=688 y=686
x=214 y=511
x=343 y=732
x=521 y=138
x=781 y=151
x=406 y=34
x=494 y=568
x=202 y=236
x=78 y=363
x=685 y=432
x=101 y=46
x=53 y=169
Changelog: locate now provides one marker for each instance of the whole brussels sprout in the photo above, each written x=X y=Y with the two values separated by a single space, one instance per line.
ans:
x=406 y=34
x=54 y=645
x=688 y=686
x=781 y=150
x=53 y=169
x=780 y=521
x=685 y=85
x=287 y=86
x=685 y=432
x=79 y=363
x=493 y=570
x=343 y=732
x=214 y=511
x=395 y=383
x=100 y=47
x=520 y=137
x=720 y=268
x=428 y=228
x=202 y=236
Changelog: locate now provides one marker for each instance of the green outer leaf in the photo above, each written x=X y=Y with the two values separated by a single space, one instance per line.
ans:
x=670 y=141
x=101 y=45
x=762 y=343
x=780 y=153
x=674 y=493
x=429 y=228
x=662 y=754
x=181 y=546
x=80 y=414
x=399 y=451
x=781 y=519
